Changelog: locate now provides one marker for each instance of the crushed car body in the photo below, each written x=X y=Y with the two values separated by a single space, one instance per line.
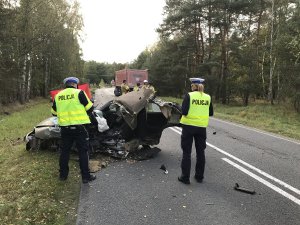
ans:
x=128 y=123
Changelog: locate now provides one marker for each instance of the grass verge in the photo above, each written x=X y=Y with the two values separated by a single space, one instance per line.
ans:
x=30 y=192
x=277 y=119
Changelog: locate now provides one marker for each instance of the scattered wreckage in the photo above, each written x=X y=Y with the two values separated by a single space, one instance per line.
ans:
x=127 y=124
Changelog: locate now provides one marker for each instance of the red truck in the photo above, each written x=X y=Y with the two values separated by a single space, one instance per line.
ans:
x=132 y=76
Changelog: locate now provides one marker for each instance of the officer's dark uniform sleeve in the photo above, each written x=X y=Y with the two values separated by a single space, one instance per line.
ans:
x=84 y=101
x=211 y=109
x=185 y=105
x=53 y=109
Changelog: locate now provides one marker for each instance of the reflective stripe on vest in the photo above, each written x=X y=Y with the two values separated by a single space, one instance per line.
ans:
x=198 y=114
x=69 y=109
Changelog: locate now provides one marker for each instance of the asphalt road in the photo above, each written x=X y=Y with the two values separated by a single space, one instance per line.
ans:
x=140 y=193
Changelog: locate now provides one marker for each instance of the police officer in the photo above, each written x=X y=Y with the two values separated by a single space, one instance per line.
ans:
x=196 y=109
x=124 y=87
x=72 y=106
x=148 y=85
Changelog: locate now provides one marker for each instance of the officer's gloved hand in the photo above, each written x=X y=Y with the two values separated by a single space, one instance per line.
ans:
x=93 y=118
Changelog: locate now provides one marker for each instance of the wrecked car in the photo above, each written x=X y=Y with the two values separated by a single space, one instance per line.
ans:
x=126 y=124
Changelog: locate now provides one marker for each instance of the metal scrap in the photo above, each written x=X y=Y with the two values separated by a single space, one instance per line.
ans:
x=242 y=189
x=163 y=167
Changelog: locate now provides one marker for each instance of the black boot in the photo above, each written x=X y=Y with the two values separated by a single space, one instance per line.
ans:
x=198 y=179
x=90 y=178
x=184 y=180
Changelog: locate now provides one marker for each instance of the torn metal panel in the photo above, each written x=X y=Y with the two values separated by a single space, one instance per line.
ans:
x=47 y=129
x=135 y=101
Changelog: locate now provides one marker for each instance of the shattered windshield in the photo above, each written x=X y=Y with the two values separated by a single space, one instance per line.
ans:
x=151 y=107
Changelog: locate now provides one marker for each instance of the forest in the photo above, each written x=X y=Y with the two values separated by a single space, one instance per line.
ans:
x=245 y=49
x=38 y=47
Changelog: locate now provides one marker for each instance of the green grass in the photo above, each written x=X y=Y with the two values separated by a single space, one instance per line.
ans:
x=30 y=192
x=277 y=119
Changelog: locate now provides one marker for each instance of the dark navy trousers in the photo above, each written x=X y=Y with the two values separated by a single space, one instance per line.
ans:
x=80 y=136
x=190 y=133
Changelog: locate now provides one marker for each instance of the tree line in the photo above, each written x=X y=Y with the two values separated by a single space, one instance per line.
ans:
x=246 y=49
x=243 y=48
x=38 y=47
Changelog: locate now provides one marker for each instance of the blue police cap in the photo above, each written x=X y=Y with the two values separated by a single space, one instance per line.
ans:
x=71 y=80
x=197 y=80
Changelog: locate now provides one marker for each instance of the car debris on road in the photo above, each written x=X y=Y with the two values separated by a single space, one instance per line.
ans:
x=163 y=167
x=242 y=189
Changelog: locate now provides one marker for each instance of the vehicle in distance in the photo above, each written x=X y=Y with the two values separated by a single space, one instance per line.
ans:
x=132 y=76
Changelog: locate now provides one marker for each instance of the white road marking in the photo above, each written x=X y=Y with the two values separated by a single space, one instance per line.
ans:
x=258 y=131
x=256 y=169
x=178 y=130
x=263 y=181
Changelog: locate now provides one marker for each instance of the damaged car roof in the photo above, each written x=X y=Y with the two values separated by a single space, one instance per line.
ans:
x=135 y=101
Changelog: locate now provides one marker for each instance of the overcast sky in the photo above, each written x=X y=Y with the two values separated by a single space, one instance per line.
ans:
x=118 y=30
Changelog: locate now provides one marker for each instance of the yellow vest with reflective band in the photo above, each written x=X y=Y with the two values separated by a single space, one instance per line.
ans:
x=198 y=114
x=69 y=109
x=124 y=88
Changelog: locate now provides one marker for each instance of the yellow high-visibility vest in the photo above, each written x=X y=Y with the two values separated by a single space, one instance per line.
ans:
x=136 y=88
x=148 y=86
x=198 y=114
x=124 y=88
x=69 y=109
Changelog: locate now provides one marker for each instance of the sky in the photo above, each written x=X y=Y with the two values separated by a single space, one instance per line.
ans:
x=119 y=30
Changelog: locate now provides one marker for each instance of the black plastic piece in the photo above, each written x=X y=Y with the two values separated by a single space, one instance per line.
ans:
x=242 y=189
